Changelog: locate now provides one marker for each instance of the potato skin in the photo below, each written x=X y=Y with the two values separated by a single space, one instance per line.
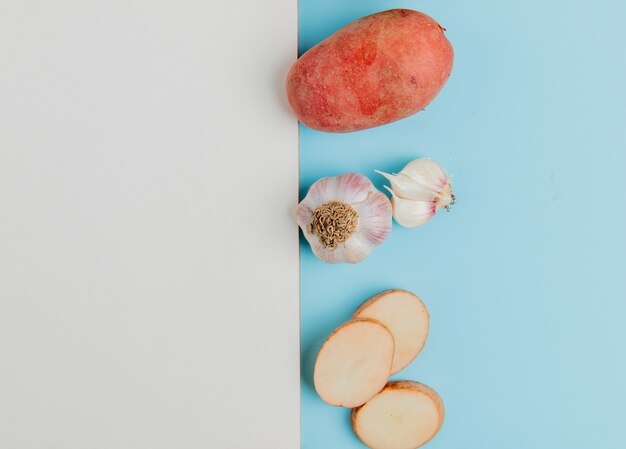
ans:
x=376 y=70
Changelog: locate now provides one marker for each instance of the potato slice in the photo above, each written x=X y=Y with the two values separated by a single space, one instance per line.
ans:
x=404 y=415
x=406 y=317
x=354 y=363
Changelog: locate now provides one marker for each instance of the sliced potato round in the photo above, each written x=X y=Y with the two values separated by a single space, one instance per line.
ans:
x=404 y=415
x=406 y=317
x=354 y=363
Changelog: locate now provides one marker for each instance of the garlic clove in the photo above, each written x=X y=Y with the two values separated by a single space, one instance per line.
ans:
x=353 y=188
x=375 y=217
x=357 y=249
x=405 y=187
x=304 y=215
x=412 y=213
x=420 y=189
x=322 y=190
x=427 y=172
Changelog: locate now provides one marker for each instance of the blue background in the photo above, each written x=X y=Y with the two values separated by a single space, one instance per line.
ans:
x=524 y=278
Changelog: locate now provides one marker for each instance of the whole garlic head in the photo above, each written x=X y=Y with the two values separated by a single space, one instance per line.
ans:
x=419 y=191
x=344 y=218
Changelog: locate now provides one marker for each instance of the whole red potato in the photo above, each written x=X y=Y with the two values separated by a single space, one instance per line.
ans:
x=376 y=70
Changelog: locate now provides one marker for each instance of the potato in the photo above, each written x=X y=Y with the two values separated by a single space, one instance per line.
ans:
x=406 y=317
x=404 y=415
x=354 y=363
x=376 y=70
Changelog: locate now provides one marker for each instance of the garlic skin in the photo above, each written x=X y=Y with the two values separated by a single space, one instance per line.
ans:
x=344 y=218
x=419 y=191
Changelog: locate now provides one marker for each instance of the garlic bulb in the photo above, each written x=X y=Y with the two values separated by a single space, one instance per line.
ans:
x=419 y=191
x=344 y=218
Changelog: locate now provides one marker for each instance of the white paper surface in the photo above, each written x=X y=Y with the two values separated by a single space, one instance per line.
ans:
x=148 y=256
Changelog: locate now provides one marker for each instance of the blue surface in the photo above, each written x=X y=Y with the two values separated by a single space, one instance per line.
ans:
x=524 y=279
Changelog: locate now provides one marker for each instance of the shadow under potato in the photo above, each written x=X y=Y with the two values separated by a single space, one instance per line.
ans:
x=311 y=348
x=307 y=363
x=280 y=77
